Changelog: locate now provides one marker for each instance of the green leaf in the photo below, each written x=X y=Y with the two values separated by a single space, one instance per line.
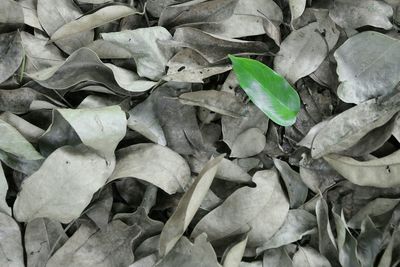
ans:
x=268 y=90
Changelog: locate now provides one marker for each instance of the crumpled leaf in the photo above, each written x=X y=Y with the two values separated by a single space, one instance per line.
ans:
x=98 y=128
x=16 y=151
x=232 y=127
x=11 y=54
x=367 y=66
x=249 y=143
x=297 y=190
x=301 y=53
x=234 y=253
x=309 y=257
x=63 y=11
x=347 y=128
x=187 y=207
x=92 y=247
x=217 y=101
x=43 y=237
x=93 y=20
x=11 y=250
x=39 y=54
x=248 y=19
x=3 y=192
x=373 y=209
x=146 y=46
x=63 y=186
x=249 y=207
x=143 y=119
x=11 y=16
x=196 y=11
x=85 y=66
x=155 y=164
x=187 y=254
x=214 y=48
x=381 y=172
x=357 y=13
x=298 y=223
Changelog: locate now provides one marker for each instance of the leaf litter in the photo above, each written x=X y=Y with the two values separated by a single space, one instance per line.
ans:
x=199 y=133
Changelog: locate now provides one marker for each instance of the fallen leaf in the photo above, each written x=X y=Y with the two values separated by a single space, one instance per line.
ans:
x=92 y=247
x=109 y=50
x=269 y=91
x=155 y=164
x=3 y=193
x=11 y=16
x=369 y=243
x=93 y=20
x=11 y=53
x=63 y=186
x=357 y=13
x=249 y=143
x=248 y=207
x=62 y=12
x=217 y=101
x=11 y=251
x=298 y=223
x=30 y=13
x=43 y=237
x=187 y=207
x=381 y=172
x=277 y=257
x=233 y=255
x=296 y=8
x=309 y=257
x=367 y=66
x=146 y=46
x=16 y=151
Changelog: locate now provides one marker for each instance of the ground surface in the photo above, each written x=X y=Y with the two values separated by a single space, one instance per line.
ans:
x=126 y=140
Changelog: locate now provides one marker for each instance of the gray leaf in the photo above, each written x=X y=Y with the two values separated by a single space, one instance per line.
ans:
x=63 y=186
x=309 y=257
x=146 y=46
x=249 y=207
x=11 y=16
x=368 y=66
x=234 y=253
x=249 y=143
x=92 y=247
x=11 y=54
x=277 y=257
x=62 y=12
x=155 y=164
x=11 y=251
x=42 y=238
x=357 y=13
x=3 y=193
x=187 y=207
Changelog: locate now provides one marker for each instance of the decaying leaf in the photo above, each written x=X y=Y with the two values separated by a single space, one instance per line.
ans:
x=368 y=66
x=155 y=164
x=11 y=250
x=248 y=207
x=382 y=172
x=68 y=171
x=187 y=207
x=42 y=238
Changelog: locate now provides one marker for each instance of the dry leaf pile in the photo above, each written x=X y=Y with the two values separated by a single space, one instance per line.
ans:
x=125 y=139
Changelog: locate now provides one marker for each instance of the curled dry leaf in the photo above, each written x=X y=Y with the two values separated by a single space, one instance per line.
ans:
x=11 y=54
x=298 y=223
x=98 y=128
x=43 y=237
x=357 y=13
x=92 y=247
x=234 y=253
x=249 y=143
x=309 y=257
x=381 y=172
x=146 y=46
x=93 y=20
x=11 y=250
x=62 y=12
x=16 y=151
x=248 y=207
x=220 y=102
x=187 y=207
x=347 y=128
x=63 y=186
x=368 y=66
x=155 y=164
